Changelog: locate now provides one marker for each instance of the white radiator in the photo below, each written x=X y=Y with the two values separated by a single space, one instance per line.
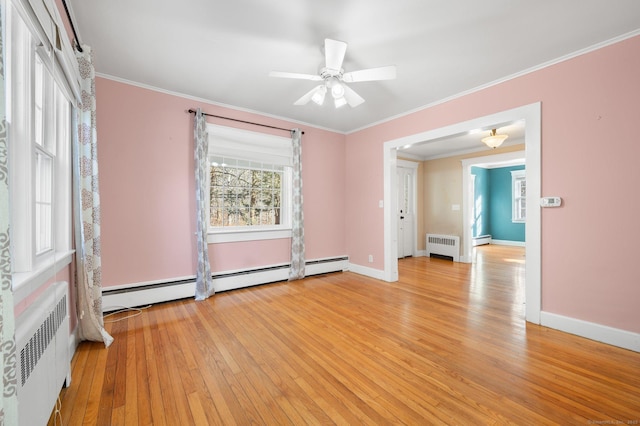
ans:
x=444 y=245
x=42 y=339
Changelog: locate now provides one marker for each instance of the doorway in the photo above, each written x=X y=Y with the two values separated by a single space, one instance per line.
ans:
x=406 y=211
x=531 y=114
x=468 y=202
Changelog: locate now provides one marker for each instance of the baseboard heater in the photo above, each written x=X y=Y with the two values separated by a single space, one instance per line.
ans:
x=481 y=240
x=42 y=339
x=114 y=298
x=447 y=246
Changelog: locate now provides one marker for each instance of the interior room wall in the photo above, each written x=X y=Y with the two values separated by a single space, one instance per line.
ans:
x=589 y=107
x=443 y=190
x=145 y=155
x=500 y=206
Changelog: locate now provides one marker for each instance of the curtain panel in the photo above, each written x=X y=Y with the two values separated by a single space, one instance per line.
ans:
x=204 y=282
x=8 y=359
x=297 y=220
x=87 y=208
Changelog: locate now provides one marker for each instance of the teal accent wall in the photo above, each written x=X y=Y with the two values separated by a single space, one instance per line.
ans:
x=492 y=197
x=502 y=228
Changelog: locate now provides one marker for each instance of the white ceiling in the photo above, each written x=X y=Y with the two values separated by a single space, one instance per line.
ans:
x=222 y=51
x=463 y=143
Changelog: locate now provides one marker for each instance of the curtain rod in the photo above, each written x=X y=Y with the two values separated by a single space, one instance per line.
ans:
x=242 y=121
x=73 y=27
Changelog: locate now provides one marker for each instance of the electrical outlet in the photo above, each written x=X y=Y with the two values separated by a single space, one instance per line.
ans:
x=370 y=258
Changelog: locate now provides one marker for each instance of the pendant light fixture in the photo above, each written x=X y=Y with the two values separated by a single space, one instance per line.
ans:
x=493 y=140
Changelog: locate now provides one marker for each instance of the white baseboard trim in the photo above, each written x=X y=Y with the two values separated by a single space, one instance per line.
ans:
x=481 y=240
x=421 y=253
x=508 y=243
x=366 y=271
x=601 y=333
x=148 y=293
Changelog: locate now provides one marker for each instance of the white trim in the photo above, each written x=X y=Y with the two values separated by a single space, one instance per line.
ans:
x=508 y=243
x=248 y=235
x=532 y=115
x=481 y=240
x=600 y=333
x=516 y=177
x=25 y=283
x=150 y=292
x=368 y=272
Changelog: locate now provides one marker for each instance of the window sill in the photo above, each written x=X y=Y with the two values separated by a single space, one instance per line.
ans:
x=252 y=235
x=25 y=283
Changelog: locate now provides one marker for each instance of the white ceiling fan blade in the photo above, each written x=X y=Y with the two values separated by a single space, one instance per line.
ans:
x=334 y=51
x=282 y=74
x=307 y=96
x=353 y=99
x=371 y=74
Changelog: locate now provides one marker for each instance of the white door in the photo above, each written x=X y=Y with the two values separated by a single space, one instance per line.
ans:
x=406 y=232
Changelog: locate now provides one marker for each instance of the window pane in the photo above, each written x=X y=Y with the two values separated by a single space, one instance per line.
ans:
x=38 y=102
x=250 y=193
x=43 y=205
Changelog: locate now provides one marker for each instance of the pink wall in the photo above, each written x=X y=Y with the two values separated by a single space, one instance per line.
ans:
x=145 y=155
x=590 y=109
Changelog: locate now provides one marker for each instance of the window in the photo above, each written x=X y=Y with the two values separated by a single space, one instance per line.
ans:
x=246 y=193
x=39 y=129
x=250 y=185
x=519 y=196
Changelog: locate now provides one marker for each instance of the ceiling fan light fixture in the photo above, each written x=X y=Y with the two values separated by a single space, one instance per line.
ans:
x=337 y=90
x=318 y=97
x=494 y=140
x=340 y=102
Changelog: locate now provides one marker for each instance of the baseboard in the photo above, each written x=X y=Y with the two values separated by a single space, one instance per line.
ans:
x=366 y=271
x=601 y=333
x=148 y=293
x=73 y=345
x=421 y=253
x=508 y=243
x=481 y=240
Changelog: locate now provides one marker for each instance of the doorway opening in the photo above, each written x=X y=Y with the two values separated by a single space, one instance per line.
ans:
x=469 y=205
x=407 y=211
x=531 y=115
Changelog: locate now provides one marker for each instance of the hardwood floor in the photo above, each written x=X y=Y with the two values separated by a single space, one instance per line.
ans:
x=446 y=344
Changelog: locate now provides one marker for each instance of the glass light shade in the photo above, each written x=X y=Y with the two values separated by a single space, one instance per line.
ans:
x=493 y=140
x=318 y=97
x=337 y=90
x=340 y=102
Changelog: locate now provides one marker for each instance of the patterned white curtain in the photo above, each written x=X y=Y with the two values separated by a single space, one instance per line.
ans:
x=297 y=233
x=8 y=360
x=204 y=282
x=87 y=209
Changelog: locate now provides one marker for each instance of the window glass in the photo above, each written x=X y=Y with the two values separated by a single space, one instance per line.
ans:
x=519 y=191
x=246 y=193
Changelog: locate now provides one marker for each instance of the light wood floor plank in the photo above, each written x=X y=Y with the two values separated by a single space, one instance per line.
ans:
x=446 y=344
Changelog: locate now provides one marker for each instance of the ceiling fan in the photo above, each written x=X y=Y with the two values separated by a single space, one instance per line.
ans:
x=334 y=78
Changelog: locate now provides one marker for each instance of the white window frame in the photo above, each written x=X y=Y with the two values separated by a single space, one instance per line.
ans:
x=238 y=144
x=517 y=177
x=32 y=265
